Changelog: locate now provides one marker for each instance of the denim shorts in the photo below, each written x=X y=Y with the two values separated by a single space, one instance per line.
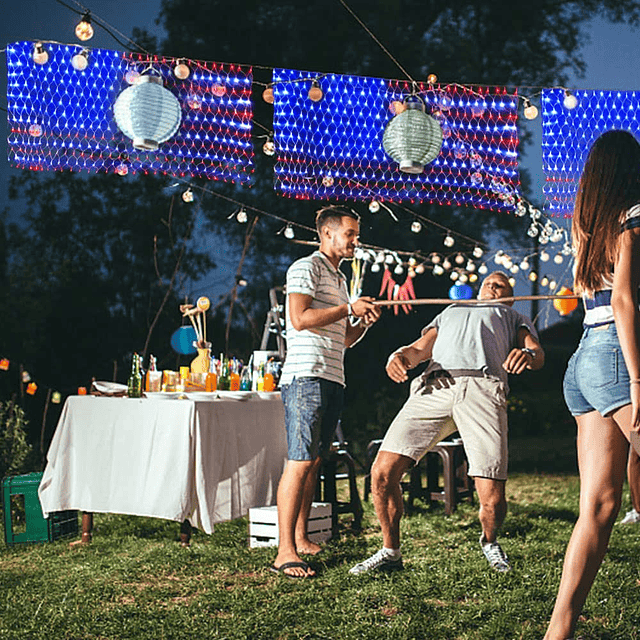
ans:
x=597 y=378
x=312 y=408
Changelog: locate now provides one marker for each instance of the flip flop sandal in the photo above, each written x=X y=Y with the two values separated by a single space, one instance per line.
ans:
x=291 y=565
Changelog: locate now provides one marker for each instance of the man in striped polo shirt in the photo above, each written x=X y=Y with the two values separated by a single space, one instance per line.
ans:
x=321 y=323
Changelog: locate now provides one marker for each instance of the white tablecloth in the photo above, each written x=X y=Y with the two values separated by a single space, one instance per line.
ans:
x=205 y=460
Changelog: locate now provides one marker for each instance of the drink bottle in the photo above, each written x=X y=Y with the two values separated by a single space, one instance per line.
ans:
x=134 y=384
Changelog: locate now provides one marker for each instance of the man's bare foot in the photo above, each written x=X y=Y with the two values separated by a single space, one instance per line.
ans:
x=301 y=571
x=308 y=548
x=84 y=540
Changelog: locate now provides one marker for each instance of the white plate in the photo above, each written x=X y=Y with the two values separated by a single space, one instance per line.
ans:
x=165 y=395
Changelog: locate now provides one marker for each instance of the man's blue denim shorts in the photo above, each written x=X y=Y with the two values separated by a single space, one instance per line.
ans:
x=312 y=408
x=597 y=378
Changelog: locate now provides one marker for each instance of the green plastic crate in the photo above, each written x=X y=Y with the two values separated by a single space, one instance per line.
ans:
x=23 y=518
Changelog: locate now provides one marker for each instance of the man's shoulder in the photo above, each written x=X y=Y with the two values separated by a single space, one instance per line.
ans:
x=312 y=261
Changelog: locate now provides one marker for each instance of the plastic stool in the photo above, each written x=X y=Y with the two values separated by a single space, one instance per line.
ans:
x=336 y=465
x=457 y=483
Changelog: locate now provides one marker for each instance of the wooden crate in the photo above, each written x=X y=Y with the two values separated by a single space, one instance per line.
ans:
x=263 y=525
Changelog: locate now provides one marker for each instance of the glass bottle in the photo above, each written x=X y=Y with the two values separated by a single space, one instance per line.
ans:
x=269 y=384
x=234 y=376
x=134 y=384
x=245 y=379
x=223 y=378
x=211 y=383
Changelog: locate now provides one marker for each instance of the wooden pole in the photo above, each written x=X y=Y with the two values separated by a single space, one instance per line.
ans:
x=419 y=301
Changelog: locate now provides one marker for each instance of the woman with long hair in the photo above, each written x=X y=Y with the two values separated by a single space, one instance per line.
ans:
x=602 y=381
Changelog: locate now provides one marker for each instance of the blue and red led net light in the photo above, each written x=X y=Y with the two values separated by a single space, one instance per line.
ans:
x=61 y=118
x=332 y=149
x=567 y=136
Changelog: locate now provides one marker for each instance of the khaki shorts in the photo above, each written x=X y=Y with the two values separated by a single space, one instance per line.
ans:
x=476 y=407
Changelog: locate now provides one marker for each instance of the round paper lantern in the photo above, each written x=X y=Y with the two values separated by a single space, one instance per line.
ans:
x=182 y=340
x=412 y=138
x=460 y=292
x=566 y=306
x=147 y=112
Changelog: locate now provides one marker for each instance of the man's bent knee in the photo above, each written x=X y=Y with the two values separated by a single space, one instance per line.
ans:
x=389 y=468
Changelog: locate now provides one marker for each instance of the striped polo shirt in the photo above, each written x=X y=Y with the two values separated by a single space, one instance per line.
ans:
x=319 y=352
x=597 y=308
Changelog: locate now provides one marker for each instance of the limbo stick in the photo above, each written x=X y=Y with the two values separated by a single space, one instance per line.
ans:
x=418 y=301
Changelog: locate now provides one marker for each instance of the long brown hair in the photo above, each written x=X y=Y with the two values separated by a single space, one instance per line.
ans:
x=609 y=186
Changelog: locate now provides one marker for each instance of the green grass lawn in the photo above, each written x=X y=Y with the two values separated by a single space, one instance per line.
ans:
x=135 y=581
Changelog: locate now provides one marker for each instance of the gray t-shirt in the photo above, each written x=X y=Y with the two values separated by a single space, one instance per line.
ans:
x=476 y=337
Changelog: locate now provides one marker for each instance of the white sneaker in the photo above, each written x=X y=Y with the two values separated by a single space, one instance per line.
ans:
x=494 y=554
x=379 y=561
x=632 y=517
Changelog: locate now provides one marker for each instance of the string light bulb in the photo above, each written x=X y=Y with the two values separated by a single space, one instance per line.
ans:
x=84 y=29
x=416 y=226
x=269 y=147
x=40 y=54
x=187 y=196
x=477 y=252
x=315 y=92
x=242 y=216
x=558 y=258
x=81 y=60
x=530 y=110
x=432 y=78
x=289 y=233
x=181 y=70
x=267 y=95
x=449 y=241
x=374 y=206
x=544 y=256
x=569 y=101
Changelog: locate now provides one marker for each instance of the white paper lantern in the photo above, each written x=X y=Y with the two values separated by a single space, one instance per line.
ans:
x=148 y=113
x=412 y=138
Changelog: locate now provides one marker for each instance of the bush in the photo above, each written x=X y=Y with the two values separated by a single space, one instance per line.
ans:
x=15 y=451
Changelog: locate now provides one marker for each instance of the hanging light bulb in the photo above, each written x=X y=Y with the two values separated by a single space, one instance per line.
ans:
x=380 y=257
x=84 y=30
x=530 y=110
x=398 y=270
x=499 y=257
x=40 y=54
x=464 y=278
x=552 y=285
x=533 y=276
x=315 y=92
x=514 y=268
x=242 y=216
x=454 y=275
x=81 y=60
x=558 y=258
x=327 y=181
x=187 y=196
x=416 y=226
x=269 y=147
x=512 y=282
x=374 y=206
x=544 y=256
x=289 y=232
x=181 y=70
x=446 y=265
x=432 y=78
x=473 y=277
x=483 y=269
x=459 y=258
x=524 y=265
x=435 y=258
x=544 y=281
x=438 y=270
x=420 y=269
x=267 y=94
x=375 y=267
x=388 y=259
x=449 y=241
x=570 y=101
x=477 y=252
x=471 y=266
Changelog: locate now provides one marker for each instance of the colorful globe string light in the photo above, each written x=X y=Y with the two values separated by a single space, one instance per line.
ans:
x=341 y=135
x=569 y=131
x=62 y=119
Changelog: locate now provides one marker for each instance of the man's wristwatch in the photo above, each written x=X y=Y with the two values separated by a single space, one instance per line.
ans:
x=531 y=352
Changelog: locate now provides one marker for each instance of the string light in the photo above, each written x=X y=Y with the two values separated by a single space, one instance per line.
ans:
x=530 y=110
x=289 y=232
x=242 y=216
x=432 y=78
x=81 y=60
x=544 y=256
x=84 y=29
x=181 y=70
x=477 y=252
x=416 y=226
x=374 y=206
x=315 y=92
x=569 y=101
x=558 y=258
x=40 y=54
x=449 y=241
x=267 y=95
x=187 y=196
